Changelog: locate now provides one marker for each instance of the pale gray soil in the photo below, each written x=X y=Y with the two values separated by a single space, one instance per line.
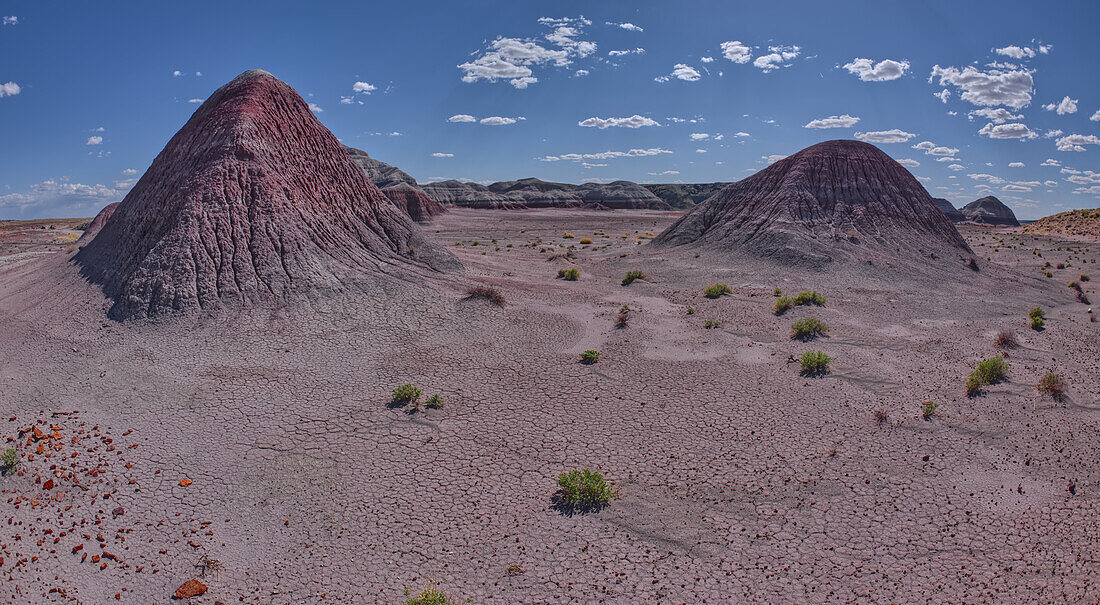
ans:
x=738 y=479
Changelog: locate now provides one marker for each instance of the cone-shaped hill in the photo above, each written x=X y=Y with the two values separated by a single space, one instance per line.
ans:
x=836 y=201
x=252 y=202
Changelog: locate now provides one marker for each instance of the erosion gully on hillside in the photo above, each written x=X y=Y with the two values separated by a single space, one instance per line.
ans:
x=256 y=451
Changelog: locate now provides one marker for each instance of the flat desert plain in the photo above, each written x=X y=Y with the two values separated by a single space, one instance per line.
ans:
x=258 y=452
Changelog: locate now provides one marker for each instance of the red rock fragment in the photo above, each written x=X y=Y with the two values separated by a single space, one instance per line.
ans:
x=118 y=511
x=185 y=482
x=48 y=485
x=190 y=588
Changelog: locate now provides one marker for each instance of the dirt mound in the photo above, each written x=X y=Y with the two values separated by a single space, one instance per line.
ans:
x=834 y=201
x=97 y=223
x=252 y=202
x=989 y=211
x=398 y=186
x=1075 y=223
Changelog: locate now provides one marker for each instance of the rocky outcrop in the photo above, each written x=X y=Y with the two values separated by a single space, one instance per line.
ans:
x=1075 y=223
x=253 y=202
x=989 y=211
x=684 y=195
x=97 y=224
x=949 y=210
x=398 y=186
x=832 y=202
x=536 y=193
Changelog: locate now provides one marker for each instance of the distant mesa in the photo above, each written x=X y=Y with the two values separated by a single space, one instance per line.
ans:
x=684 y=195
x=97 y=223
x=398 y=186
x=949 y=210
x=836 y=201
x=253 y=202
x=536 y=193
x=1075 y=223
x=989 y=211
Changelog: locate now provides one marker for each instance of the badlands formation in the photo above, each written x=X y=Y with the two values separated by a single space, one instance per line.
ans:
x=200 y=401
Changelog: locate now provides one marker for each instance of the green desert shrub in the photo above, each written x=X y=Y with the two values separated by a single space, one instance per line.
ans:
x=691 y=310
x=590 y=356
x=435 y=401
x=808 y=329
x=9 y=460
x=406 y=394
x=585 y=241
x=1037 y=323
x=810 y=297
x=429 y=596
x=570 y=274
x=928 y=408
x=782 y=304
x=1037 y=312
x=814 y=362
x=716 y=290
x=777 y=293
x=989 y=371
x=1083 y=277
x=1052 y=385
x=712 y=323
x=583 y=489
x=631 y=276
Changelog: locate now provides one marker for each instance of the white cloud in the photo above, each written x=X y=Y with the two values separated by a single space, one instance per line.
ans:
x=461 y=117
x=844 y=121
x=988 y=178
x=363 y=87
x=177 y=73
x=497 y=121
x=627 y=26
x=605 y=155
x=634 y=121
x=742 y=134
x=1017 y=52
x=315 y=108
x=885 y=136
x=1086 y=177
x=956 y=167
x=908 y=163
x=943 y=95
x=736 y=52
x=511 y=59
x=1051 y=183
x=1066 y=105
x=682 y=72
x=777 y=57
x=930 y=148
x=580 y=73
x=1076 y=142
x=1094 y=117
x=11 y=20
x=443 y=155
x=1008 y=131
x=129 y=172
x=61 y=198
x=771 y=159
x=9 y=89
x=1016 y=165
x=885 y=70
x=96 y=140
x=1051 y=162
x=665 y=172
x=699 y=136
x=700 y=151
x=988 y=88
x=706 y=59
x=195 y=100
x=999 y=115
x=619 y=53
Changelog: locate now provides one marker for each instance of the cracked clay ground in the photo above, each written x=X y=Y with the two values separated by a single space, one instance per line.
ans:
x=263 y=440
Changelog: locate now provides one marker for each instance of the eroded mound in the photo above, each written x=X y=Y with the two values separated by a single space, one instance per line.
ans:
x=397 y=185
x=252 y=202
x=97 y=223
x=989 y=211
x=1075 y=223
x=834 y=201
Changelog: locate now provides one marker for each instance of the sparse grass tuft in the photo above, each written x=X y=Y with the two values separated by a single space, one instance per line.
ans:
x=590 y=356
x=631 y=276
x=810 y=297
x=8 y=461
x=691 y=310
x=486 y=293
x=624 y=317
x=808 y=329
x=814 y=363
x=711 y=324
x=1052 y=385
x=429 y=596
x=1083 y=277
x=716 y=290
x=1006 y=339
x=928 y=408
x=1038 y=320
x=570 y=274
x=782 y=304
x=880 y=416
x=583 y=490
x=585 y=240
x=989 y=371
x=566 y=235
x=435 y=401
x=777 y=293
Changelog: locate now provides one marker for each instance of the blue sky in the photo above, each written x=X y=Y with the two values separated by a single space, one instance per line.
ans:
x=568 y=91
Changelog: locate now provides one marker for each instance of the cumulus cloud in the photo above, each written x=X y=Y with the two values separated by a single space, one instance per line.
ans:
x=634 y=121
x=885 y=70
x=1085 y=177
x=988 y=88
x=1051 y=162
x=699 y=136
x=944 y=154
x=605 y=155
x=461 y=117
x=620 y=53
x=844 y=121
x=363 y=88
x=908 y=163
x=94 y=140
x=497 y=121
x=885 y=136
x=442 y=155
x=512 y=59
x=942 y=95
x=1021 y=52
x=1051 y=183
x=956 y=167
x=778 y=57
x=315 y=108
x=706 y=59
x=62 y=198
x=1066 y=105
x=10 y=89
x=195 y=100
x=681 y=71
x=630 y=27
x=11 y=20
x=1008 y=131
x=1016 y=164
x=999 y=115
x=129 y=172
x=580 y=73
x=1076 y=142
x=771 y=159
x=988 y=178
x=177 y=73
x=736 y=52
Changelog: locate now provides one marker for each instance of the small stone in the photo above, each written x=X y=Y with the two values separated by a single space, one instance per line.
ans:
x=190 y=588
x=185 y=482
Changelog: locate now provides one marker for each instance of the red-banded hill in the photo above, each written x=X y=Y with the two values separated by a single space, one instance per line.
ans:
x=252 y=202
x=836 y=201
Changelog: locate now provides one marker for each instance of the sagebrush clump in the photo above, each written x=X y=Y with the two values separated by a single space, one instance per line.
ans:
x=808 y=329
x=430 y=595
x=1006 y=339
x=814 y=363
x=486 y=293
x=716 y=290
x=782 y=304
x=8 y=461
x=631 y=276
x=406 y=394
x=590 y=356
x=569 y=274
x=989 y=371
x=810 y=297
x=583 y=489
x=1052 y=385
